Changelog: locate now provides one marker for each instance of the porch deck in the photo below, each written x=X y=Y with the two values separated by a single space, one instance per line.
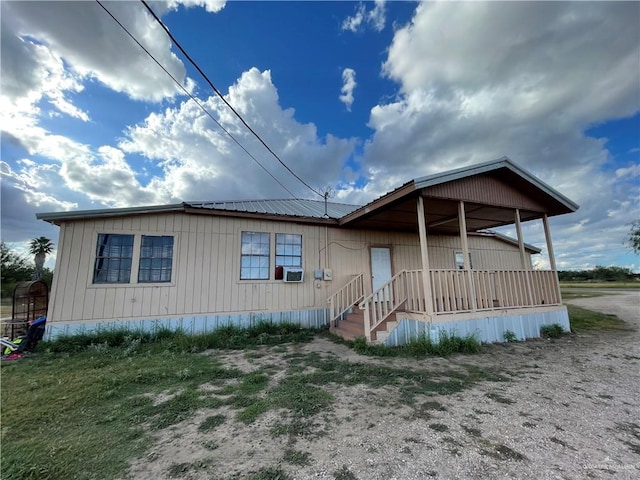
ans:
x=453 y=295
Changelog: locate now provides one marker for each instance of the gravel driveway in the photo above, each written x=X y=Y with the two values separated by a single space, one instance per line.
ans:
x=568 y=410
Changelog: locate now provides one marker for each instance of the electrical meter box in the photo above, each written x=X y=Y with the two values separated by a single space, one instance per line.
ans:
x=328 y=274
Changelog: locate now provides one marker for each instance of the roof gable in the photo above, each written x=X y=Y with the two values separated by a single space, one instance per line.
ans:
x=492 y=191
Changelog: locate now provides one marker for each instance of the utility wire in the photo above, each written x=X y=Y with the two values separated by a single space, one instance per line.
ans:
x=194 y=98
x=177 y=44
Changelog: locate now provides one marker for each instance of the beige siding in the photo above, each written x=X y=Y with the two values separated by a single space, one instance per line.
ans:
x=206 y=266
x=485 y=190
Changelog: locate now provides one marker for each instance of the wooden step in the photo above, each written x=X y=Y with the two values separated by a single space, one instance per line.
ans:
x=351 y=326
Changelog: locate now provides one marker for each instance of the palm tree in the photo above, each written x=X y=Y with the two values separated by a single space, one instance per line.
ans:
x=40 y=247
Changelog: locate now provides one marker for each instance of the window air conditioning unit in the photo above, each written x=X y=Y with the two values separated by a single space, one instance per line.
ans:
x=293 y=275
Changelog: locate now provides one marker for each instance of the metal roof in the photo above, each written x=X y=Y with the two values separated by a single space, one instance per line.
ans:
x=288 y=207
x=300 y=208
x=53 y=217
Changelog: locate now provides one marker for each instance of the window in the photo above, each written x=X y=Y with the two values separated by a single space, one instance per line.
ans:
x=113 y=258
x=460 y=261
x=288 y=250
x=254 y=257
x=156 y=256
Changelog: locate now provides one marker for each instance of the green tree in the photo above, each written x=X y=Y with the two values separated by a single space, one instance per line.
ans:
x=40 y=247
x=634 y=237
x=15 y=268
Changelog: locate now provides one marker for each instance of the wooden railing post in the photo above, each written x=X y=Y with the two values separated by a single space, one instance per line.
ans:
x=552 y=257
x=526 y=266
x=462 y=221
x=424 y=251
x=367 y=322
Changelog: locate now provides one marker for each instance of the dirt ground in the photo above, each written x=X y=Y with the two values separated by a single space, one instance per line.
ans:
x=570 y=410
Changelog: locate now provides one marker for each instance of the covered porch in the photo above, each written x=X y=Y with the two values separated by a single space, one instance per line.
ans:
x=459 y=202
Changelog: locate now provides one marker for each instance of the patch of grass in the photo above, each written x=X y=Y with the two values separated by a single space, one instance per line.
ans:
x=551 y=331
x=558 y=441
x=474 y=432
x=413 y=440
x=588 y=285
x=271 y=473
x=211 y=445
x=229 y=337
x=585 y=293
x=211 y=422
x=177 y=470
x=422 y=346
x=438 y=427
x=582 y=319
x=253 y=411
x=85 y=408
x=83 y=416
x=499 y=398
x=344 y=474
x=297 y=457
x=502 y=452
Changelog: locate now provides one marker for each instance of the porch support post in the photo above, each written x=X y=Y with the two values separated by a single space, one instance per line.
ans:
x=424 y=251
x=526 y=266
x=462 y=220
x=552 y=257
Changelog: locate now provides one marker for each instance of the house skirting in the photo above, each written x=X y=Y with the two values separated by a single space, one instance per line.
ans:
x=191 y=324
x=487 y=327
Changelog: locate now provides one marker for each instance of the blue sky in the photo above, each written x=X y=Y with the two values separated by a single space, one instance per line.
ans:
x=359 y=96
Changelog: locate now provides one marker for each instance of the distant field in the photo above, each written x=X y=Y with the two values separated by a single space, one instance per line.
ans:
x=599 y=284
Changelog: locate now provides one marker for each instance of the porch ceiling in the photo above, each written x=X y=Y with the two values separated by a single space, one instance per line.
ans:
x=441 y=216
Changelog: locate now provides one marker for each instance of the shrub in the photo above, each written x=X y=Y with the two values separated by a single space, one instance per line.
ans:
x=422 y=346
x=164 y=339
x=509 y=336
x=551 y=331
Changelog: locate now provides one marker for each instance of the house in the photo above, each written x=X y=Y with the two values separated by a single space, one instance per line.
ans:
x=419 y=259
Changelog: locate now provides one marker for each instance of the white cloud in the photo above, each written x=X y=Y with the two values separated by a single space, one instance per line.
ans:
x=376 y=17
x=30 y=73
x=632 y=171
x=348 y=86
x=470 y=94
x=200 y=162
x=93 y=48
x=353 y=22
x=212 y=6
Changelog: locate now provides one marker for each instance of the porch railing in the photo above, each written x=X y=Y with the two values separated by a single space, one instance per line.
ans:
x=403 y=288
x=346 y=297
x=453 y=291
x=458 y=291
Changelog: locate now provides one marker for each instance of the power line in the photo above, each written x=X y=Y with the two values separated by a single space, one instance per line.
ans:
x=177 y=44
x=194 y=99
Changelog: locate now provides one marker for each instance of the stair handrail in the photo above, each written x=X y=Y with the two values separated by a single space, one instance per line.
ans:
x=383 y=302
x=346 y=297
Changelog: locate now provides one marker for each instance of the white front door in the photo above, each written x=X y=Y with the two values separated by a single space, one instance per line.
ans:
x=380 y=266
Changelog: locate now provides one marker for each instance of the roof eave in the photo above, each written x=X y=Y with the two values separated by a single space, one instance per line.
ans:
x=57 y=217
x=379 y=203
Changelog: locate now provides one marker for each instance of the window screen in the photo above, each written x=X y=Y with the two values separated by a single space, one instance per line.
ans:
x=254 y=257
x=288 y=250
x=156 y=257
x=113 y=258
